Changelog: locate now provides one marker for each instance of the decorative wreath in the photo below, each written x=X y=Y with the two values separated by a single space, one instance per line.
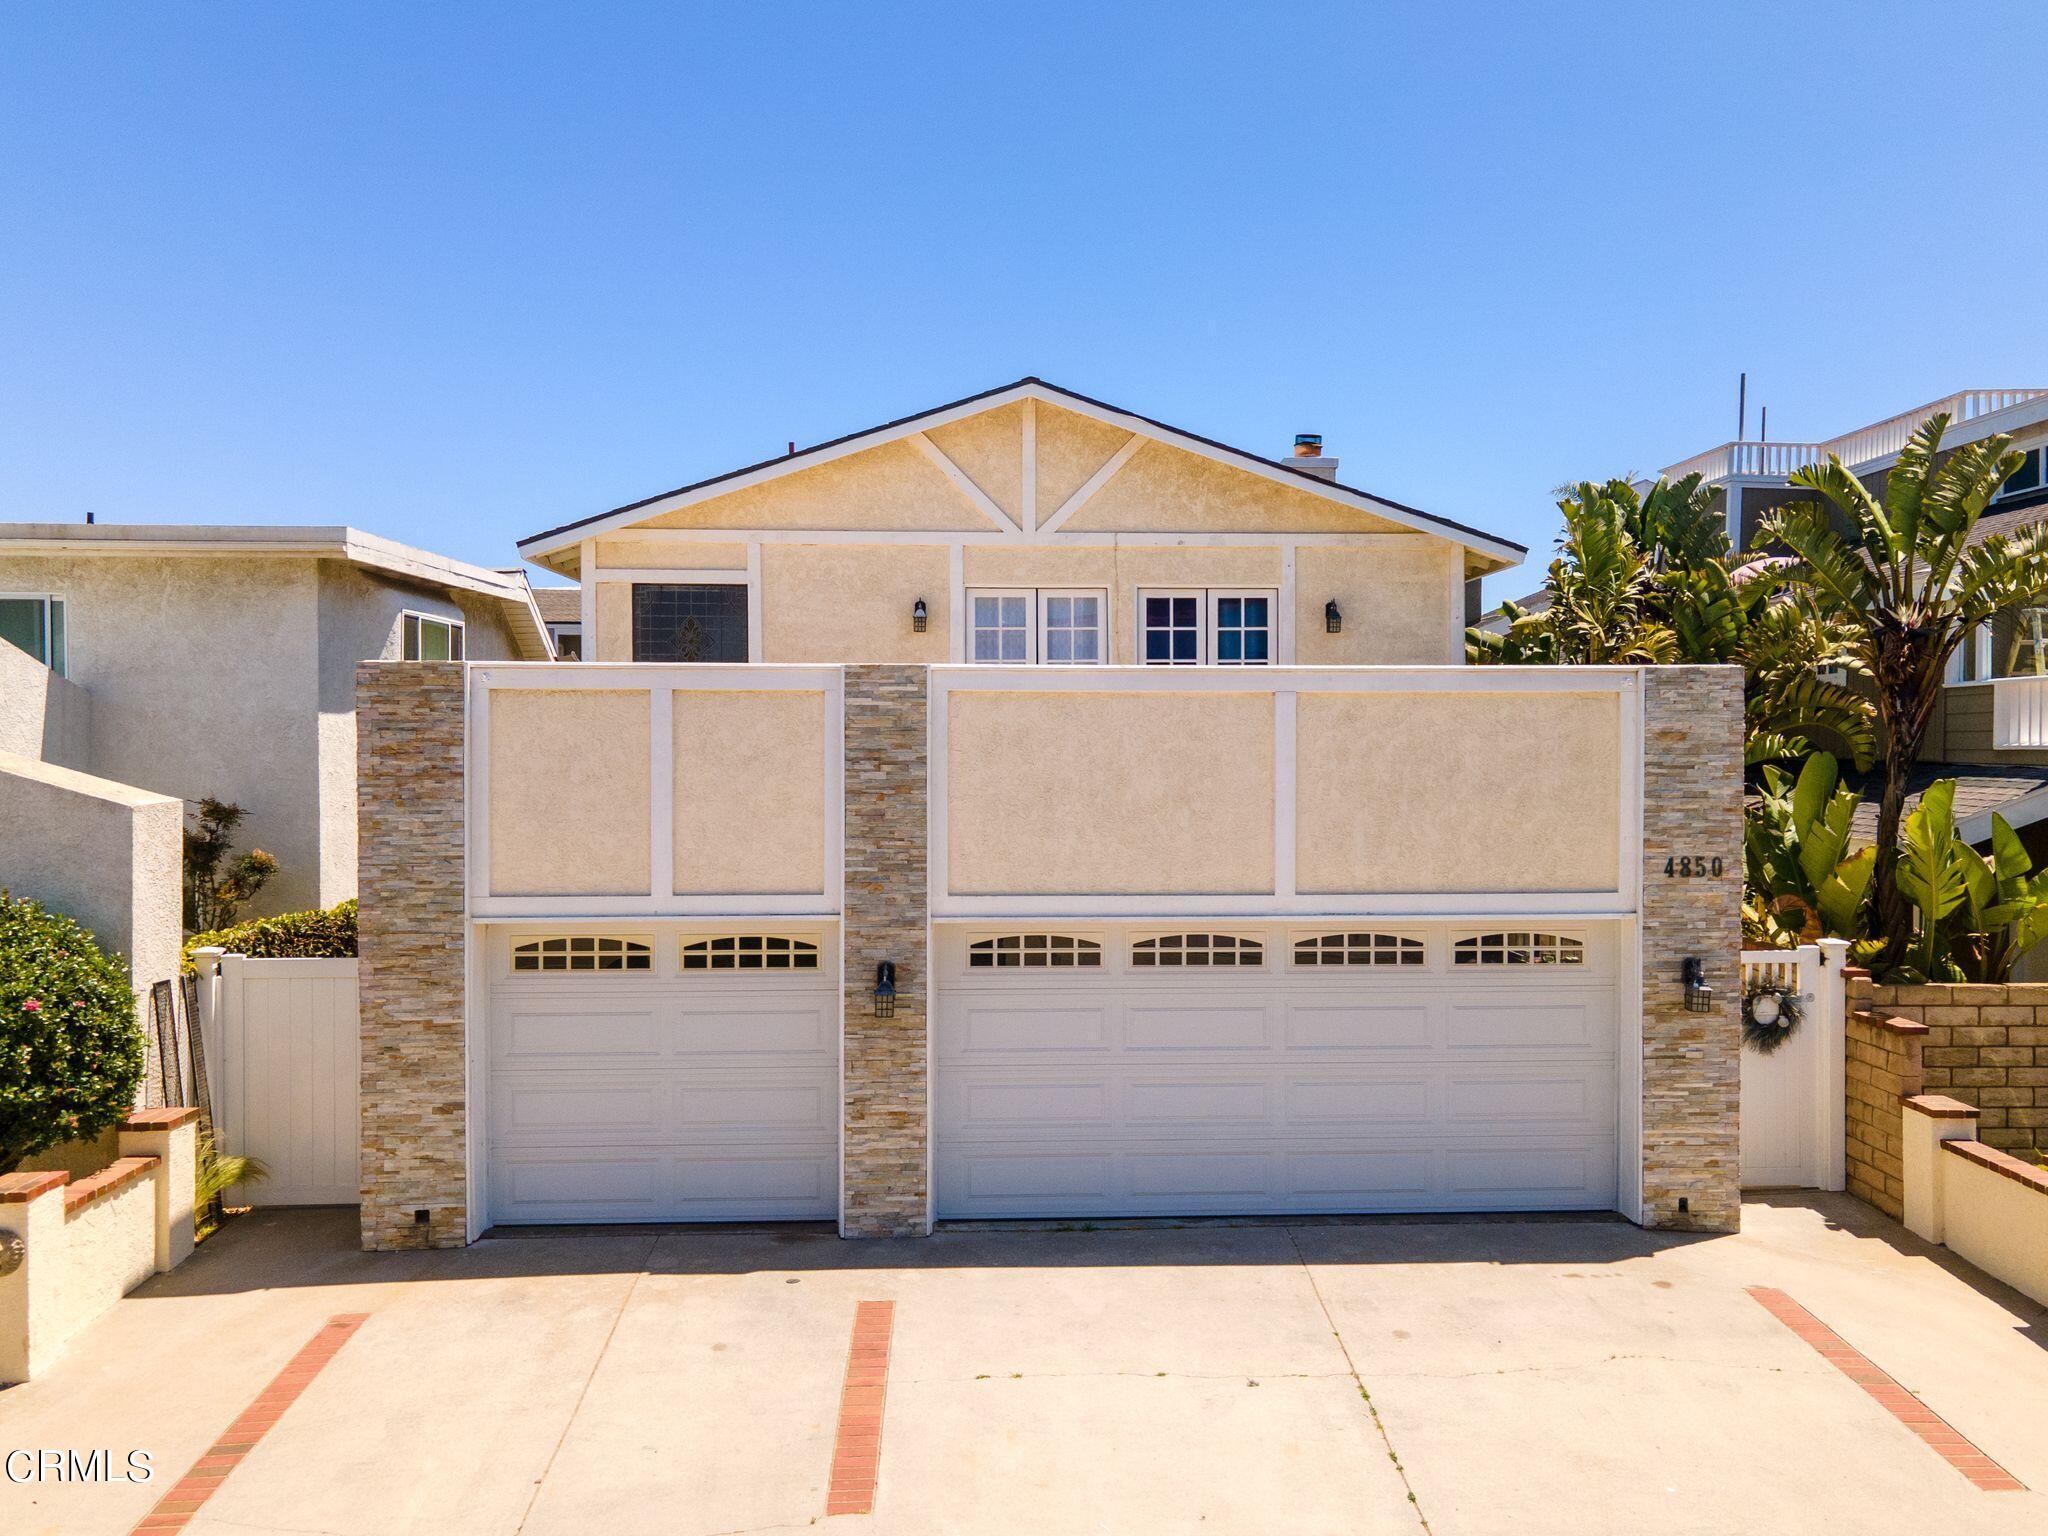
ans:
x=1770 y=1012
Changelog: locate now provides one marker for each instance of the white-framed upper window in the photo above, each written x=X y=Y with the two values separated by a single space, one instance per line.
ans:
x=1070 y=628
x=429 y=637
x=1059 y=626
x=568 y=640
x=1225 y=627
x=1001 y=626
x=34 y=621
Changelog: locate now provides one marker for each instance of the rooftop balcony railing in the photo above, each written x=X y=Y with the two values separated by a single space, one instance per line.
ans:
x=1775 y=461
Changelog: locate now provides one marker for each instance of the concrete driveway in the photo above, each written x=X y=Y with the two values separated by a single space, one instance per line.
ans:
x=1449 y=1377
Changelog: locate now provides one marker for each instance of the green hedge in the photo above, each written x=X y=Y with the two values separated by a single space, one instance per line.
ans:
x=329 y=935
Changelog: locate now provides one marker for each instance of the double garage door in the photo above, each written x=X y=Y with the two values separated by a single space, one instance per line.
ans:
x=1239 y=1068
x=1077 y=1070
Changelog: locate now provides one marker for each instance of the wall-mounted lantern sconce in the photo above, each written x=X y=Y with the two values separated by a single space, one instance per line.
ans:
x=919 y=615
x=1333 y=621
x=1699 y=997
x=885 y=989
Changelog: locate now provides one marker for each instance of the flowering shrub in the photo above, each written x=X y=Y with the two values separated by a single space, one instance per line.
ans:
x=71 y=1055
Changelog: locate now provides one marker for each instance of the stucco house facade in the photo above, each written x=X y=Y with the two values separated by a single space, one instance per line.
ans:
x=1030 y=809
x=220 y=661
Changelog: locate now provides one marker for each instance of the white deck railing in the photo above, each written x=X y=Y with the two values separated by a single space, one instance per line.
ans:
x=2019 y=712
x=1879 y=440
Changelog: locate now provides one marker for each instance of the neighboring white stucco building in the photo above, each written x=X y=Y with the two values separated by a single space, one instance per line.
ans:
x=220 y=661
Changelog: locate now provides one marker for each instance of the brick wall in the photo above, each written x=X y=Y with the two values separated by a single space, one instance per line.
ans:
x=886 y=1136
x=409 y=745
x=1692 y=1066
x=1883 y=1067
x=1987 y=1045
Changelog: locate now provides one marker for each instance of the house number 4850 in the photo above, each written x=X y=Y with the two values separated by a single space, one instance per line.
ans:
x=1691 y=867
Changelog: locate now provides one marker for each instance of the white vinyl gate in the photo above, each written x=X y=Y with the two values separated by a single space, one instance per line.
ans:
x=283 y=1050
x=1793 y=1106
x=1090 y=1068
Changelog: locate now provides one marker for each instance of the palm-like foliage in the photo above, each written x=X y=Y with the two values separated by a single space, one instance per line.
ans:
x=1976 y=915
x=1801 y=880
x=1907 y=586
x=1645 y=579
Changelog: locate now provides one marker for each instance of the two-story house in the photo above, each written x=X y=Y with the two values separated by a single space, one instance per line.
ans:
x=1030 y=809
x=220 y=661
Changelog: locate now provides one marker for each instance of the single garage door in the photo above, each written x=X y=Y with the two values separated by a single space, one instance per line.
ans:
x=1218 y=1067
x=662 y=1075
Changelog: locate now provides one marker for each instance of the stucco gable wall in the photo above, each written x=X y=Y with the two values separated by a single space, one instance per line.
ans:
x=989 y=448
x=1169 y=490
x=890 y=487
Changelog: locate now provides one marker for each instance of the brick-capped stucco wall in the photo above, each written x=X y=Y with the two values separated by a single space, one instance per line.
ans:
x=885 y=1125
x=409 y=750
x=1692 y=1066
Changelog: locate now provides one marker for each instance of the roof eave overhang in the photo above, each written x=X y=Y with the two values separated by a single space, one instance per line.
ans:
x=558 y=549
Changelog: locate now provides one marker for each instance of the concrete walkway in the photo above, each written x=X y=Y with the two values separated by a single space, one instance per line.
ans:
x=1453 y=1377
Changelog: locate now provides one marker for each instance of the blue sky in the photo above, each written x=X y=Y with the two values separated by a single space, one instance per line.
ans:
x=456 y=273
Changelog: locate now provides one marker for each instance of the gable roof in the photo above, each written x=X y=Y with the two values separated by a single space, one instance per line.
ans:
x=537 y=546
x=509 y=587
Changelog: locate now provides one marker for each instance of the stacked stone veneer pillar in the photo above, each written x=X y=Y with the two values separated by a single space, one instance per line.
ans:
x=409 y=788
x=1692 y=1067
x=886 y=1111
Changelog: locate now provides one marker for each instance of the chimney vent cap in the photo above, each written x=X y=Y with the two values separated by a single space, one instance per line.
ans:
x=1308 y=445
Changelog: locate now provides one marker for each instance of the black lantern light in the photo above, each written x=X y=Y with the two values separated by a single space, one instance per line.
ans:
x=1333 y=621
x=919 y=615
x=1699 y=997
x=885 y=989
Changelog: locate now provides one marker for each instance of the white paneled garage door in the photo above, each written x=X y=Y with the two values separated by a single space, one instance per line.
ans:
x=1109 y=1069
x=662 y=1075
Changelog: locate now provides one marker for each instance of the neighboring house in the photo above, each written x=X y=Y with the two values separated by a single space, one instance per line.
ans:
x=1990 y=730
x=984 y=864
x=220 y=661
x=561 y=609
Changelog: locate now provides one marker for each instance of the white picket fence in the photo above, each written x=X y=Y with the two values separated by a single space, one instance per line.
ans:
x=1793 y=1100
x=284 y=1046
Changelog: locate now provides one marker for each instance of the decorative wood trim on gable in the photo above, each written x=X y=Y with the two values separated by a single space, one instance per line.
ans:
x=979 y=499
x=1094 y=483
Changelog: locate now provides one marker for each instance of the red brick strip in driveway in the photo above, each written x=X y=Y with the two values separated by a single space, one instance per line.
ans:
x=225 y=1454
x=857 y=1452
x=1901 y=1404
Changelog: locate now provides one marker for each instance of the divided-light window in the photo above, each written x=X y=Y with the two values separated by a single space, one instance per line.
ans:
x=1358 y=949
x=749 y=952
x=1518 y=949
x=582 y=952
x=1210 y=949
x=1032 y=950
